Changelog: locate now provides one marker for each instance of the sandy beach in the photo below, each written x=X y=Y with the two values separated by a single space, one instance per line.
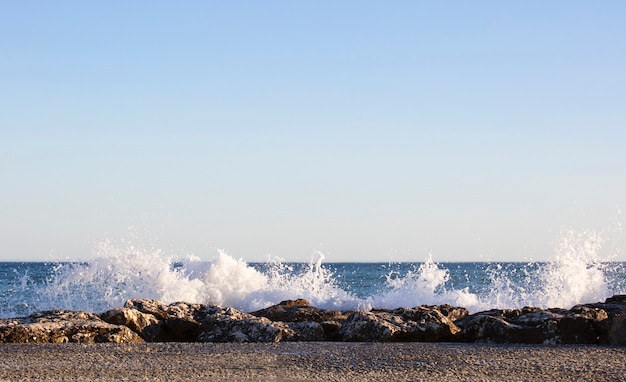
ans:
x=324 y=361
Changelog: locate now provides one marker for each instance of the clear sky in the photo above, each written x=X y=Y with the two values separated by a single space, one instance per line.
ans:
x=372 y=131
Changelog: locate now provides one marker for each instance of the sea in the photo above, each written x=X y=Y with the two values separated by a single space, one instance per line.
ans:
x=116 y=273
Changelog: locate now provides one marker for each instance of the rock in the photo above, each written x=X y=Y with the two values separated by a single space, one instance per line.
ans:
x=230 y=325
x=184 y=322
x=583 y=324
x=613 y=328
x=177 y=322
x=59 y=326
x=307 y=331
x=298 y=311
x=453 y=313
x=332 y=330
x=297 y=320
x=296 y=302
x=368 y=327
x=616 y=331
x=422 y=323
x=144 y=324
x=526 y=325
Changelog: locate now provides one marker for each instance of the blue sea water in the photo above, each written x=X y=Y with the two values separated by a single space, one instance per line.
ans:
x=118 y=274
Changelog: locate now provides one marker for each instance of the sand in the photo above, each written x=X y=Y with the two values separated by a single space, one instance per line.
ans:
x=326 y=361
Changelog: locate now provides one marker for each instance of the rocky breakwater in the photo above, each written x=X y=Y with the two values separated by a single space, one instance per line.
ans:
x=296 y=320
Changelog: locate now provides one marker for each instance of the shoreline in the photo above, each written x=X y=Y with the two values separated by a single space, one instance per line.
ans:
x=311 y=361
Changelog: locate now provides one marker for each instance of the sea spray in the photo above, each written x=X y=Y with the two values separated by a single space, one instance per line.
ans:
x=120 y=271
x=426 y=284
x=117 y=273
x=114 y=275
x=576 y=274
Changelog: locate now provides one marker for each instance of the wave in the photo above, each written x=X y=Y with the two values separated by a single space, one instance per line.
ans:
x=116 y=273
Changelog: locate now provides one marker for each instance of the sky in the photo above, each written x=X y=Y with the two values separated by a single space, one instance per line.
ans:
x=369 y=131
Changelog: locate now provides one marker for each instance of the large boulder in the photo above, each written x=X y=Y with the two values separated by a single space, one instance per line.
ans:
x=612 y=329
x=156 y=321
x=144 y=324
x=299 y=310
x=422 y=324
x=60 y=326
x=308 y=322
x=526 y=325
x=230 y=325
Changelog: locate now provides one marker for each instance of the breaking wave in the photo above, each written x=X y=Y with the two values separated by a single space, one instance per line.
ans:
x=116 y=273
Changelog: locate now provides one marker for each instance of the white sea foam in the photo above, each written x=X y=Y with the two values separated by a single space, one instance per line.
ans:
x=576 y=274
x=424 y=285
x=118 y=272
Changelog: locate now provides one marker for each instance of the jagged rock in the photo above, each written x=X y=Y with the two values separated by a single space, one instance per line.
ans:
x=59 y=326
x=582 y=324
x=230 y=325
x=144 y=324
x=297 y=320
x=308 y=331
x=526 y=325
x=453 y=313
x=183 y=322
x=613 y=328
x=616 y=331
x=298 y=311
x=368 y=327
x=177 y=322
x=332 y=330
x=422 y=323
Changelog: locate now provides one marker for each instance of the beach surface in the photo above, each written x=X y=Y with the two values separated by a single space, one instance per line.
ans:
x=309 y=361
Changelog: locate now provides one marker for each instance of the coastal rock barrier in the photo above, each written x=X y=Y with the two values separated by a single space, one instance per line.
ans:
x=145 y=320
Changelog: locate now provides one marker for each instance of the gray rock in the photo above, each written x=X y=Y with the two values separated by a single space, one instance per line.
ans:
x=526 y=325
x=422 y=323
x=230 y=325
x=299 y=311
x=144 y=324
x=583 y=324
x=60 y=326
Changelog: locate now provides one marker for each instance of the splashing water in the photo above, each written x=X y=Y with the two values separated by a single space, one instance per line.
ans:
x=576 y=274
x=425 y=285
x=117 y=273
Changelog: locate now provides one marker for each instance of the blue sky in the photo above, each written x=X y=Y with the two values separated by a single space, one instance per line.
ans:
x=371 y=131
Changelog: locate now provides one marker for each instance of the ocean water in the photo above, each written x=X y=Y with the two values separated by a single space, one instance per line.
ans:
x=115 y=273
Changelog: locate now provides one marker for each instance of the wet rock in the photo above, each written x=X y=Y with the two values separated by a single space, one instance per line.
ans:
x=583 y=324
x=177 y=322
x=60 y=326
x=307 y=331
x=297 y=320
x=616 y=331
x=332 y=330
x=230 y=325
x=453 y=313
x=298 y=311
x=613 y=328
x=527 y=325
x=184 y=322
x=422 y=323
x=368 y=327
x=144 y=324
